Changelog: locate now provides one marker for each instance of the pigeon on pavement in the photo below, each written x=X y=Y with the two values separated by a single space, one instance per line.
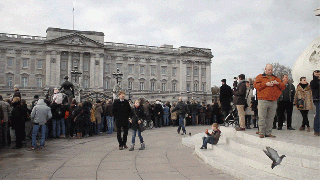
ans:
x=273 y=155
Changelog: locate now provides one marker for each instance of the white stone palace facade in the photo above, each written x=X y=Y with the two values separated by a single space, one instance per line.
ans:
x=164 y=72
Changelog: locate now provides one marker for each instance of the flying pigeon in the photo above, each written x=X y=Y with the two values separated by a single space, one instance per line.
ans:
x=273 y=155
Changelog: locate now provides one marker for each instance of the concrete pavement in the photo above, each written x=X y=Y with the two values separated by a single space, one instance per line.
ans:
x=98 y=157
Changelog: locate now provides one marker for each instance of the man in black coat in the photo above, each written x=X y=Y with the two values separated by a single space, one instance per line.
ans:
x=121 y=111
x=225 y=98
x=240 y=101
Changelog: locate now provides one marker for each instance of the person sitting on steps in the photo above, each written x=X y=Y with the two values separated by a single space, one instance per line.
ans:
x=213 y=137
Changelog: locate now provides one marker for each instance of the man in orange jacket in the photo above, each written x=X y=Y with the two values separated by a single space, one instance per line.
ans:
x=269 y=88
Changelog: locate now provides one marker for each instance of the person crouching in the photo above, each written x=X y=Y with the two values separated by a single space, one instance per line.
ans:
x=137 y=118
x=213 y=137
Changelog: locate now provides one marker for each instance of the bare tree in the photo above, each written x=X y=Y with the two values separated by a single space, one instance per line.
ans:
x=280 y=70
x=215 y=90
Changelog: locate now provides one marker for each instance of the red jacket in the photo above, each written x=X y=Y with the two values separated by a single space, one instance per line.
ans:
x=270 y=93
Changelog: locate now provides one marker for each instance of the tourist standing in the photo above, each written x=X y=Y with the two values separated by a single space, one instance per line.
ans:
x=110 y=117
x=138 y=116
x=40 y=114
x=285 y=103
x=6 y=109
x=304 y=94
x=158 y=111
x=98 y=112
x=315 y=85
x=269 y=88
x=225 y=97
x=17 y=121
x=166 y=112
x=182 y=111
x=240 y=101
x=121 y=111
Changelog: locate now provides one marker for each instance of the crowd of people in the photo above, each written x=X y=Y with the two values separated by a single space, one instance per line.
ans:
x=269 y=101
x=260 y=102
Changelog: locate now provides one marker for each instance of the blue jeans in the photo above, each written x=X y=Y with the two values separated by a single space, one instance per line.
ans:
x=166 y=119
x=181 y=125
x=57 y=124
x=316 y=123
x=207 y=140
x=134 y=132
x=99 y=127
x=35 y=133
x=110 y=123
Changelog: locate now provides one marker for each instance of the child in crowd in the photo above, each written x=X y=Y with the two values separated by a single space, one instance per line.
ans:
x=213 y=137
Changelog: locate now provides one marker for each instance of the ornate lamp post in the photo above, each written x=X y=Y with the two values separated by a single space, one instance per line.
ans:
x=129 y=91
x=75 y=73
x=118 y=75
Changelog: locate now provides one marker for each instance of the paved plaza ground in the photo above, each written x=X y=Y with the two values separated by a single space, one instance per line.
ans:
x=98 y=157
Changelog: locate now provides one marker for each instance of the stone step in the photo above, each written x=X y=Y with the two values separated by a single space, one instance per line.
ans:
x=306 y=161
x=227 y=165
x=263 y=163
x=282 y=141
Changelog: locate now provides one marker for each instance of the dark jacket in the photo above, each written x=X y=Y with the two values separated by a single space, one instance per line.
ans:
x=181 y=108
x=137 y=114
x=225 y=96
x=216 y=135
x=158 y=108
x=315 y=84
x=121 y=111
x=240 y=94
x=57 y=110
x=289 y=91
x=194 y=108
x=109 y=110
x=16 y=115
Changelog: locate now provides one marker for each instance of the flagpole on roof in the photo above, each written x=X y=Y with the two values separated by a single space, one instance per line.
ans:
x=73 y=17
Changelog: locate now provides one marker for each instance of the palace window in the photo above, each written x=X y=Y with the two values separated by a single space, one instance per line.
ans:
x=130 y=69
x=119 y=66
x=141 y=86
x=188 y=71
x=64 y=65
x=163 y=86
x=204 y=87
x=75 y=63
x=39 y=64
x=141 y=69
x=130 y=85
x=9 y=81
x=153 y=86
x=203 y=72
x=86 y=83
x=153 y=70
x=24 y=81
x=174 y=86
x=39 y=82
x=196 y=72
x=107 y=68
x=163 y=70
x=107 y=84
x=188 y=87
x=10 y=62
x=86 y=66
x=195 y=87
x=174 y=71
x=25 y=63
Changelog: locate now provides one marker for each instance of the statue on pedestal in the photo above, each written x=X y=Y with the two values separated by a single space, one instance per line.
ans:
x=68 y=89
x=116 y=91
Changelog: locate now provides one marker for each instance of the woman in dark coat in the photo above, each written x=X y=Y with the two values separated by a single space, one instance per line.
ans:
x=77 y=117
x=17 y=121
x=137 y=118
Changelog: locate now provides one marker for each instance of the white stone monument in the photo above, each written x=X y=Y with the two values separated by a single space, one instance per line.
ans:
x=307 y=62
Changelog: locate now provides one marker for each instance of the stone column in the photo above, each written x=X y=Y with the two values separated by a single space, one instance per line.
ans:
x=2 y=68
x=81 y=68
x=48 y=68
x=69 y=65
x=92 y=70
x=57 y=75
x=101 y=74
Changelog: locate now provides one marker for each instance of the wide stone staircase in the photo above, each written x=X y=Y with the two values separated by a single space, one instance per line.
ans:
x=240 y=154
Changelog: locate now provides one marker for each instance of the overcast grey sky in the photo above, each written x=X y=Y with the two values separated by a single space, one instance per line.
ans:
x=243 y=35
